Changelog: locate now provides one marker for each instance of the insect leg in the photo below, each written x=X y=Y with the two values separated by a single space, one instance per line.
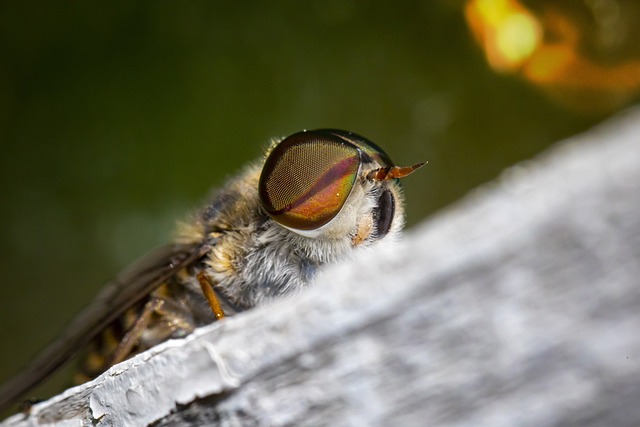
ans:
x=133 y=335
x=210 y=295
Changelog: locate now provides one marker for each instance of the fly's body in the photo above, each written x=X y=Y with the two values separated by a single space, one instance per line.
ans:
x=316 y=198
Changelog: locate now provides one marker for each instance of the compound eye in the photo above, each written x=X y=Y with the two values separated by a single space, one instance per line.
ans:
x=307 y=178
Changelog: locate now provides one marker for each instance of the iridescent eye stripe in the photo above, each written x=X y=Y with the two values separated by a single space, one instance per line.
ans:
x=327 y=195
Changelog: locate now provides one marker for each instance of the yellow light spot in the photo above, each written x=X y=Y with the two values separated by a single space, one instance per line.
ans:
x=517 y=38
x=507 y=31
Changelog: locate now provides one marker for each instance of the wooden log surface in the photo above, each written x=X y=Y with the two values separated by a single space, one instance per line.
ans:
x=517 y=306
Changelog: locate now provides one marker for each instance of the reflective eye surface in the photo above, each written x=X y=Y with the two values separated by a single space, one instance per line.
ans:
x=307 y=178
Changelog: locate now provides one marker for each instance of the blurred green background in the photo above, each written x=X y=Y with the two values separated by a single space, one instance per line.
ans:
x=117 y=118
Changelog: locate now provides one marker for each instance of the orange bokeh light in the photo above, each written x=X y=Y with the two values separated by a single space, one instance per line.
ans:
x=544 y=49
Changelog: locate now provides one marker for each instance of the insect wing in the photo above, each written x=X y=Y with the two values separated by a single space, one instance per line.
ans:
x=115 y=298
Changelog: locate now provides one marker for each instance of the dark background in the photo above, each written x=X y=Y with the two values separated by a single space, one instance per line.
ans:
x=116 y=119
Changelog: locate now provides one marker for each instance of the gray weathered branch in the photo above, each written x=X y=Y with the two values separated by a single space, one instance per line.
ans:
x=518 y=306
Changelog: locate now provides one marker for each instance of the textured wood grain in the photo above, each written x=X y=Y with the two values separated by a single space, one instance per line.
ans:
x=518 y=306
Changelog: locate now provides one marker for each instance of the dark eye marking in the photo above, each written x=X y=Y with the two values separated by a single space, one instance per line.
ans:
x=383 y=213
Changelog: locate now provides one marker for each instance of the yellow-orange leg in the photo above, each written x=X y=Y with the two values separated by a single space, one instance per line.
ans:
x=133 y=335
x=210 y=295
